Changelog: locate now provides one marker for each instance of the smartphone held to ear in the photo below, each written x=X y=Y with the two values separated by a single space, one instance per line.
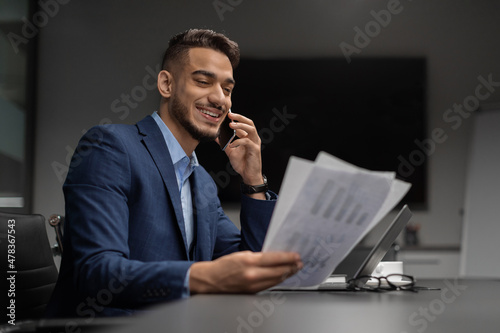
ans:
x=226 y=134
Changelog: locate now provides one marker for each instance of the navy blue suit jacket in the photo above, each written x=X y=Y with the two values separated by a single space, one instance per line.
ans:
x=124 y=243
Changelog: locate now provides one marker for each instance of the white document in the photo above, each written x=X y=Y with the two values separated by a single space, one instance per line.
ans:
x=397 y=192
x=325 y=208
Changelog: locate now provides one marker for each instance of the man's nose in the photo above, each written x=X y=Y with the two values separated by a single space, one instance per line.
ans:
x=217 y=96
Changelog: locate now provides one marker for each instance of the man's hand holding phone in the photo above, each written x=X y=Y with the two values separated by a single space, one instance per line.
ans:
x=244 y=152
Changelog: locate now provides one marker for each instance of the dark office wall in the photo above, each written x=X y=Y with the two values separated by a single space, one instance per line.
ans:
x=97 y=58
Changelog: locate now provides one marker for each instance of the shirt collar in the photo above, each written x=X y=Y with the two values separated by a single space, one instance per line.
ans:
x=176 y=152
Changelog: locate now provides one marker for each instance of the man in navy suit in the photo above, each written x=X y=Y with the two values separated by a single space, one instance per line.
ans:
x=143 y=221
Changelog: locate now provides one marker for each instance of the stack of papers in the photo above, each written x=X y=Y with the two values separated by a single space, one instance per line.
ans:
x=324 y=209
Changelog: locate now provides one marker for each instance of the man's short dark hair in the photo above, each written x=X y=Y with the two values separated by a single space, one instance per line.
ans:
x=179 y=45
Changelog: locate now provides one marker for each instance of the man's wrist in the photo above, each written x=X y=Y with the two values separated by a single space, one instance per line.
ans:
x=255 y=188
x=200 y=281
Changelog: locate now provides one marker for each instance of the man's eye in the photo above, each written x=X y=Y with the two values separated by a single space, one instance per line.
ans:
x=202 y=82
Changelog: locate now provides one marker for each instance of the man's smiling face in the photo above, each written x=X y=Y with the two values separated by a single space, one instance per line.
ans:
x=201 y=95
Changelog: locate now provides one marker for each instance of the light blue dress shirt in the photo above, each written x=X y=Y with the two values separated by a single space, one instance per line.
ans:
x=183 y=166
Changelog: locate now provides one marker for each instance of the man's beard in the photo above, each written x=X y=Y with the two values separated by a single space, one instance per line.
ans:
x=180 y=113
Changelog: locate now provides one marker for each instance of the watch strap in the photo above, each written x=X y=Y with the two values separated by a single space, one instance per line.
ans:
x=251 y=189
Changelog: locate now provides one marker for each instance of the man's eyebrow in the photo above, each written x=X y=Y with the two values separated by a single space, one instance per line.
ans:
x=212 y=75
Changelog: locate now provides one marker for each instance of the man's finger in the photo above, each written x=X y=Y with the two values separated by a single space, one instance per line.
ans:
x=271 y=276
x=277 y=258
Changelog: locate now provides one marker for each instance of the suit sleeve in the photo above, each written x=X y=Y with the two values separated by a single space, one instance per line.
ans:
x=255 y=216
x=97 y=192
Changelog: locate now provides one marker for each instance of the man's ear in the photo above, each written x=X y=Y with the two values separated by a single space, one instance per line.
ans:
x=165 y=80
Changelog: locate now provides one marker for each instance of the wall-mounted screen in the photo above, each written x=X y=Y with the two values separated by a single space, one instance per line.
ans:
x=370 y=113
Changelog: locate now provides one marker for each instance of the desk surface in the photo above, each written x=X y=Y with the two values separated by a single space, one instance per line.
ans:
x=460 y=306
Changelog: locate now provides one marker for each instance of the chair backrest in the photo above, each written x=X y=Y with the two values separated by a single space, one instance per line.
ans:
x=29 y=265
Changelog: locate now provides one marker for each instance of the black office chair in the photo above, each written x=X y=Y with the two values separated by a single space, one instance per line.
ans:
x=30 y=266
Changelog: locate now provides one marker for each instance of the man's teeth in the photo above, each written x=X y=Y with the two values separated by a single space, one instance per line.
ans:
x=212 y=114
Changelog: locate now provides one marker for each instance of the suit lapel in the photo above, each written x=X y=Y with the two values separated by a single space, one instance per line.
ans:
x=155 y=144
